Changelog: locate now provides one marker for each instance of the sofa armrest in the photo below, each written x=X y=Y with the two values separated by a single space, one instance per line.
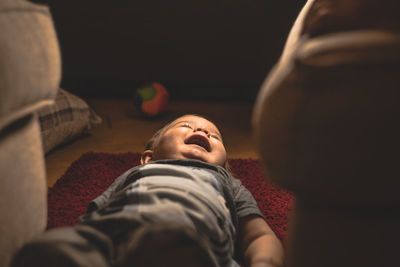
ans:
x=29 y=77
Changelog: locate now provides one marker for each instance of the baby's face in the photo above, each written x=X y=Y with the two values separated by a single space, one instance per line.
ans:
x=191 y=137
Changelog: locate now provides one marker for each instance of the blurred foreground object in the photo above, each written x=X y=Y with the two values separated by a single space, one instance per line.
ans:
x=325 y=122
x=29 y=78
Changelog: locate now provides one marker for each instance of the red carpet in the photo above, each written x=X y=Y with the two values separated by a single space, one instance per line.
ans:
x=92 y=173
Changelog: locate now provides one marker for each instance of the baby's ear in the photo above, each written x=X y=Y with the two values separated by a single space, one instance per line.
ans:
x=147 y=156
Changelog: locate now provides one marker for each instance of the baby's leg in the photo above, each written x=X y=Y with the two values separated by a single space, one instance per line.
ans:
x=80 y=245
x=167 y=245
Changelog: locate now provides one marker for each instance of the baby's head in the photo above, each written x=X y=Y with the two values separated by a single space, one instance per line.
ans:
x=187 y=137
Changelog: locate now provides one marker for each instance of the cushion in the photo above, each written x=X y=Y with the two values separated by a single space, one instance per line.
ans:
x=67 y=119
x=30 y=66
x=23 y=187
x=30 y=71
x=326 y=116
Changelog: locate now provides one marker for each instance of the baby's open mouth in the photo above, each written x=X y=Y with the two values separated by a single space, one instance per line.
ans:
x=199 y=140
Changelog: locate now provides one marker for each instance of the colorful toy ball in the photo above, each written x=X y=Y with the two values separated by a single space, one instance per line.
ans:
x=151 y=99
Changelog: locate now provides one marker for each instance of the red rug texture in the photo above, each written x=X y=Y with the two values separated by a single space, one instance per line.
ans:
x=93 y=172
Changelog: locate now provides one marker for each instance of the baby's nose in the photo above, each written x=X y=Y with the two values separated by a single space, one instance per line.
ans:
x=202 y=130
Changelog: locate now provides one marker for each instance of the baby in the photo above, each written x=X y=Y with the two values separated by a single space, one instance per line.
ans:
x=181 y=207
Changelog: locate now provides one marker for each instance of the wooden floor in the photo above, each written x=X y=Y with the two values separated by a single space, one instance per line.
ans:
x=125 y=130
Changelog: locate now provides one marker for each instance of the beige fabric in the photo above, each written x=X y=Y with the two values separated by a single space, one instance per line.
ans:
x=325 y=122
x=68 y=118
x=322 y=110
x=23 y=201
x=29 y=77
x=30 y=59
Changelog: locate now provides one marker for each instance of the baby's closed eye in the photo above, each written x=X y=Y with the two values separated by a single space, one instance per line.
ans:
x=185 y=124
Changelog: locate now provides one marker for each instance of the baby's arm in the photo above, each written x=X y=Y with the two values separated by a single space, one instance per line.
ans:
x=259 y=244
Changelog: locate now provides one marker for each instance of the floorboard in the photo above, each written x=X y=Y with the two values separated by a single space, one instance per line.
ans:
x=125 y=130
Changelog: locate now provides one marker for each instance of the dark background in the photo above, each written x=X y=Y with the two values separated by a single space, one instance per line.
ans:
x=199 y=49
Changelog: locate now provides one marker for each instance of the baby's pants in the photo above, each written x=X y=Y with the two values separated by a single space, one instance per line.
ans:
x=102 y=239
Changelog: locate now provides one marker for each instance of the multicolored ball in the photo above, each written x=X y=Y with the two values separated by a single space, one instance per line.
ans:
x=151 y=99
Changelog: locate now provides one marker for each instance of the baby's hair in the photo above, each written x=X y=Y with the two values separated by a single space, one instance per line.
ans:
x=152 y=142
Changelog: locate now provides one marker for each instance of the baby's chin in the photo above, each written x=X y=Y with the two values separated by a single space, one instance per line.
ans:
x=204 y=158
x=191 y=154
x=195 y=156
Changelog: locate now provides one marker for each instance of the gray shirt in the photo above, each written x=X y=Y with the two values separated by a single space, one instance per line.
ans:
x=193 y=193
x=239 y=200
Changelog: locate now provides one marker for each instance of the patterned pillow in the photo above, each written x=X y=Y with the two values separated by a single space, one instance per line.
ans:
x=67 y=119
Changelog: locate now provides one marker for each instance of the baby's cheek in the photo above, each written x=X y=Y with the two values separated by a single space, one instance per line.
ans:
x=165 y=150
x=221 y=158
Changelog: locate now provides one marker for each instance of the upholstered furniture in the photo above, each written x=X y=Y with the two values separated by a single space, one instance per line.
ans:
x=68 y=118
x=325 y=118
x=326 y=123
x=29 y=78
